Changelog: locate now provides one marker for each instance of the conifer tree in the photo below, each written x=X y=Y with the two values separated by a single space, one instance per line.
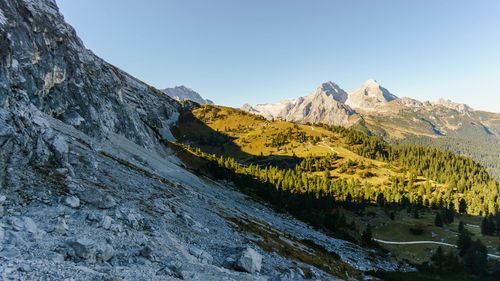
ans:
x=438 y=221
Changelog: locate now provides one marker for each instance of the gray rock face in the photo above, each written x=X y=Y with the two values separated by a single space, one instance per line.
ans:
x=46 y=64
x=323 y=106
x=369 y=96
x=250 y=261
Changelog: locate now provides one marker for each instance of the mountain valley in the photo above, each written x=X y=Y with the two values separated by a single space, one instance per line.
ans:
x=105 y=177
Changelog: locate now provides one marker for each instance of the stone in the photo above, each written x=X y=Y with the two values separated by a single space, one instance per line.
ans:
x=82 y=248
x=3 y=198
x=173 y=268
x=61 y=171
x=249 y=261
x=106 y=222
x=61 y=227
x=9 y=252
x=200 y=254
x=39 y=235
x=30 y=225
x=94 y=217
x=16 y=223
x=13 y=238
x=55 y=257
x=117 y=228
x=59 y=144
x=147 y=252
x=104 y=252
x=107 y=202
x=300 y=272
x=134 y=220
x=72 y=201
x=98 y=198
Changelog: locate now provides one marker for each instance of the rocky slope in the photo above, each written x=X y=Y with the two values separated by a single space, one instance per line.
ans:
x=89 y=192
x=181 y=93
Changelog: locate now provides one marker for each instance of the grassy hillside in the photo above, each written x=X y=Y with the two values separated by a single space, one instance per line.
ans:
x=249 y=139
x=369 y=165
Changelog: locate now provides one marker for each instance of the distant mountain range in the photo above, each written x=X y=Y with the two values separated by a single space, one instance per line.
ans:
x=181 y=93
x=373 y=109
x=332 y=105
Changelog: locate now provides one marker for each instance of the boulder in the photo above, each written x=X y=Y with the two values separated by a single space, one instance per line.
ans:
x=82 y=248
x=72 y=201
x=104 y=252
x=98 y=198
x=107 y=202
x=9 y=252
x=147 y=252
x=106 y=222
x=16 y=223
x=13 y=238
x=173 y=268
x=30 y=225
x=200 y=254
x=61 y=227
x=249 y=261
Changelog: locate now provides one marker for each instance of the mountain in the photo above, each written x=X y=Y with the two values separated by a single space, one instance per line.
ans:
x=181 y=93
x=326 y=105
x=92 y=188
x=369 y=96
x=443 y=124
x=273 y=110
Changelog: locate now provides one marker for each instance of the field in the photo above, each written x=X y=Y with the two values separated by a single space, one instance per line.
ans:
x=398 y=230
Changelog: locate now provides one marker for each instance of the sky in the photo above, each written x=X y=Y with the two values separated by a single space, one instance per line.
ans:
x=234 y=51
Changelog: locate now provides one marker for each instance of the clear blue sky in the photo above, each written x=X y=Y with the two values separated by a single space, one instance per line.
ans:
x=260 y=51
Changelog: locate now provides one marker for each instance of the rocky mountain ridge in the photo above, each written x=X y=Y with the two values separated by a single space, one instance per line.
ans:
x=181 y=93
x=332 y=105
